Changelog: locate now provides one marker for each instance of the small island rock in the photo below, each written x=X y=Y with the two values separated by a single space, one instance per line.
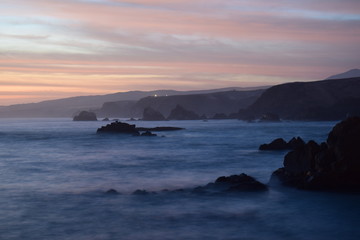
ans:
x=148 y=134
x=119 y=127
x=85 y=116
x=233 y=183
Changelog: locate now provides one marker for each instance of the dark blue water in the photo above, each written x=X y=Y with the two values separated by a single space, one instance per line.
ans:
x=54 y=174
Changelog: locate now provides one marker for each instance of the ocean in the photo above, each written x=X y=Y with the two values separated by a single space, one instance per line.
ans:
x=54 y=174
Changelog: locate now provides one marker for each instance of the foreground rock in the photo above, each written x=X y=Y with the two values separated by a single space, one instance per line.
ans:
x=334 y=165
x=281 y=144
x=85 y=116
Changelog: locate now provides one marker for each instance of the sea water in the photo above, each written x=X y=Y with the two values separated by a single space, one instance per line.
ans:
x=54 y=174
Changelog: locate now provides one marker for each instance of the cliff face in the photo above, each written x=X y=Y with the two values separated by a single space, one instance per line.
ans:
x=320 y=100
x=202 y=104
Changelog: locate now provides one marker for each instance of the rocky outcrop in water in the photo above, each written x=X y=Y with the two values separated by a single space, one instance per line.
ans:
x=119 y=127
x=148 y=134
x=281 y=144
x=159 y=129
x=334 y=165
x=231 y=184
x=150 y=114
x=85 y=116
x=180 y=113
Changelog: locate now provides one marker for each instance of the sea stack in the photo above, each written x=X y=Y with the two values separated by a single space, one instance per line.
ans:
x=85 y=116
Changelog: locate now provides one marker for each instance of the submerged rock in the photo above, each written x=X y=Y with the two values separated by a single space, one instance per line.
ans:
x=334 y=165
x=148 y=134
x=222 y=185
x=159 y=129
x=85 y=116
x=233 y=183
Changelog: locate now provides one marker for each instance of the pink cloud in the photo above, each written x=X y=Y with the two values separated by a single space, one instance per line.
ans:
x=187 y=41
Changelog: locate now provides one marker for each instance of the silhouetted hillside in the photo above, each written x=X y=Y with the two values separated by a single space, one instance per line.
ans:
x=353 y=73
x=68 y=107
x=320 y=100
x=208 y=104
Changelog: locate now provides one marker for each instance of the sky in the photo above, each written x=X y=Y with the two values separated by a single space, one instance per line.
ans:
x=53 y=49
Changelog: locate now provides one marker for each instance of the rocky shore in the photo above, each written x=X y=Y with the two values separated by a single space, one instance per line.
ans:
x=331 y=165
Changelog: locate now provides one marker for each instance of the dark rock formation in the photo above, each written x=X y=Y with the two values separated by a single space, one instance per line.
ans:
x=234 y=183
x=334 y=165
x=277 y=144
x=112 y=192
x=180 y=113
x=281 y=144
x=142 y=192
x=85 y=116
x=295 y=142
x=106 y=119
x=119 y=127
x=159 y=129
x=148 y=134
x=222 y=185
x=318 y=100
x=150 y=114
x=241 y=182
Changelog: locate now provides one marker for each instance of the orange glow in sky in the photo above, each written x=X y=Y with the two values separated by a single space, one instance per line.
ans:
x=53 y=49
